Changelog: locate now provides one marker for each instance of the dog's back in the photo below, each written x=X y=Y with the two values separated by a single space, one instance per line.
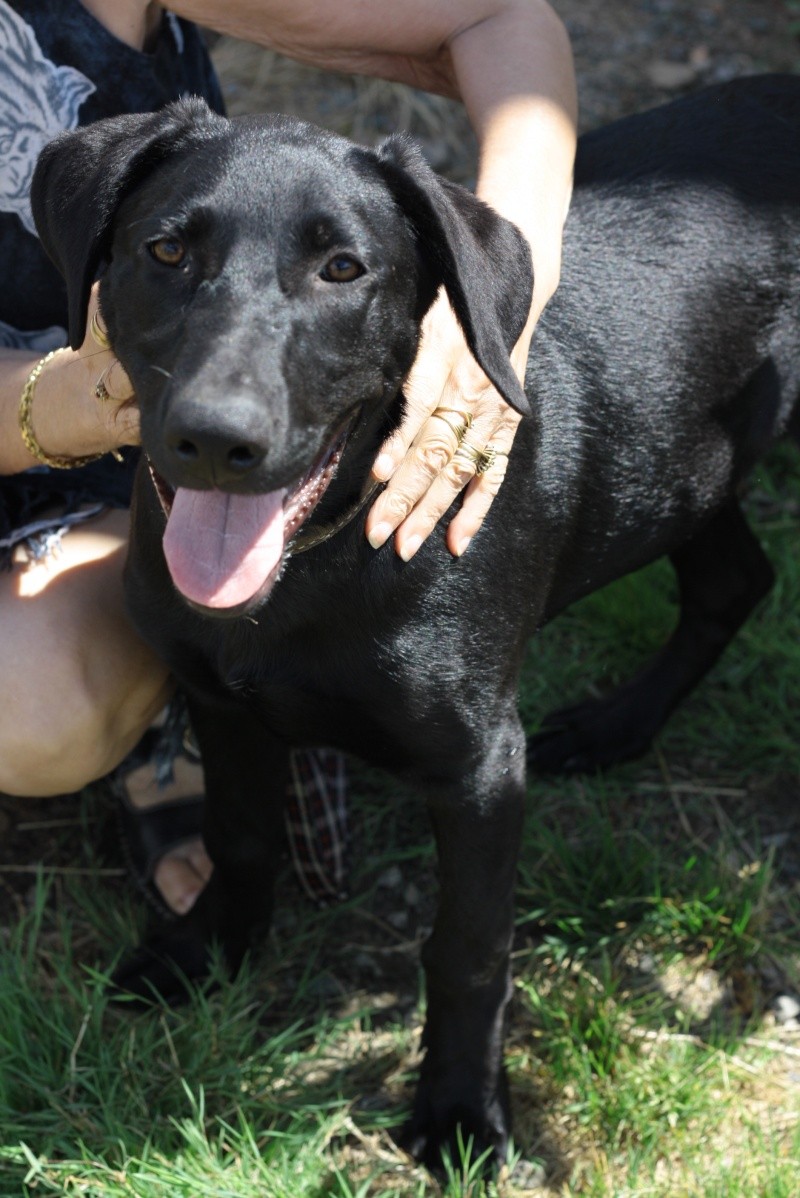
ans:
x=670 y=357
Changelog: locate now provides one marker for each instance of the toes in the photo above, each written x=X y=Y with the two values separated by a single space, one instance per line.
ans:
x=182 y=874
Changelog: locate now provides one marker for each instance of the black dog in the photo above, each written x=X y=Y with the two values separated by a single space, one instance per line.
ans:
x=263 y=284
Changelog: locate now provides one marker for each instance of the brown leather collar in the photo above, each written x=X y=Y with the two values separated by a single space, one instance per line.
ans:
x=318 y=536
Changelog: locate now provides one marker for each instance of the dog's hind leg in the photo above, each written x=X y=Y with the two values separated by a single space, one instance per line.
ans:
x=462 y=1089
x=722 y=574
x=246 y=771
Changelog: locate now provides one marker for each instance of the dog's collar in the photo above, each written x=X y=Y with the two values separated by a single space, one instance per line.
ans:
x=302 y=542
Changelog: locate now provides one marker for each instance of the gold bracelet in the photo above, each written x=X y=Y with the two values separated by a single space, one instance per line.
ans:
x=58 y=461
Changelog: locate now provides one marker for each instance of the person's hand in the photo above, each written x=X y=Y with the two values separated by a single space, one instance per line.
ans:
x=109 y=387
x=429 y=461
x=84 y=399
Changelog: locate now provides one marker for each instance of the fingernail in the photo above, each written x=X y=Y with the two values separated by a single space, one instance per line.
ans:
x=379 y=535
x=384 y=467
x=409 y=548
x=463 y=546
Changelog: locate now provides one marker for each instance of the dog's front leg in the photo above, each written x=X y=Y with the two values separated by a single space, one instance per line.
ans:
x=246 y=772
x=477 y=826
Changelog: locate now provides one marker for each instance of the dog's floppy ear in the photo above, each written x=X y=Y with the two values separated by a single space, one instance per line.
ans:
x=483 y=260
x=83 y=175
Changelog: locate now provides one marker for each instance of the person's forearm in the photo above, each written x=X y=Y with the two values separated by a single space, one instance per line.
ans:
x=67 y=418
x=516 y=77
x=15 y=366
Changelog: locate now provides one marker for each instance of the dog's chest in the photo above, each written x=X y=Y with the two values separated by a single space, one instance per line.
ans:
x=323 y=685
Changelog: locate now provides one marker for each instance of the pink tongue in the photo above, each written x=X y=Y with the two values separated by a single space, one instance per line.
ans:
x=220 y=548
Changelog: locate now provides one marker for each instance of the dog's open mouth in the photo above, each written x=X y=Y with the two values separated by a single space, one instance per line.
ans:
x=225 y=551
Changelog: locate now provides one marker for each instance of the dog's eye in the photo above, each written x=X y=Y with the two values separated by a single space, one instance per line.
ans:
x=342 y=268
x=169 y=251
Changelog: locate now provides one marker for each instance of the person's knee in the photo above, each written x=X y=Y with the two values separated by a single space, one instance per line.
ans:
x=54 y=747
x=80 y=685
x=61 y=733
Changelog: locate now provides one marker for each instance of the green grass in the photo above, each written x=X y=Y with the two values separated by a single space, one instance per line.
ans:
x=658 y=915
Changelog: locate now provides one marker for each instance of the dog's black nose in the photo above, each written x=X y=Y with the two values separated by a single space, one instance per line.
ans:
x=212 y=453
x=239 y=458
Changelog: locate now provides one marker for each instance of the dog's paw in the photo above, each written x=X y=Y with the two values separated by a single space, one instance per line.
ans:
x=164 y=968
x=590 y=736
x=463 y=1130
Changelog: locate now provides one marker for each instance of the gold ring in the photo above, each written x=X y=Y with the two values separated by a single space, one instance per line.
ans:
x=101 y=391
x=488 y=458
x=471 y=453
x=464 y=417
x=459 y=429
x=98 y=333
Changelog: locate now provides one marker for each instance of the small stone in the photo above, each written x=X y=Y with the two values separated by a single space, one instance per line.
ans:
x=398 y=919
x=669 y=76
x=367 y=964
x=786 y=1007
x=391 y=878
x=370 y=1103
x=324 y=986
x=528 y=1175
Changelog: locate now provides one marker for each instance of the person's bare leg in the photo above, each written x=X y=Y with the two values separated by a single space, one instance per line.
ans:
x=81 y=688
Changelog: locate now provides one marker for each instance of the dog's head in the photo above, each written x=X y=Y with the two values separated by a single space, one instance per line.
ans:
x=263 y=285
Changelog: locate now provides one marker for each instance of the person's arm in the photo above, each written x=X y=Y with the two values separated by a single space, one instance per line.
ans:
x=527 y=148
x=67 y=416
x=510 y=62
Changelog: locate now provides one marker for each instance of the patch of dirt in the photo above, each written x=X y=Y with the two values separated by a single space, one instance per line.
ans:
x=631 y=56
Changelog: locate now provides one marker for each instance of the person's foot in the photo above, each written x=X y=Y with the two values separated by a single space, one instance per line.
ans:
x=183 y=869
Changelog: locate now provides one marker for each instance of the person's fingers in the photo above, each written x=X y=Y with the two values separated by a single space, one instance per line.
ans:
x=117 y=413
x=438 y=467
x=479 y=465
x=113 y=385
x=478 y=498
x=98 y=331
x=438 y=441
x=422 y=463
x=109 y=386
x=452 y=385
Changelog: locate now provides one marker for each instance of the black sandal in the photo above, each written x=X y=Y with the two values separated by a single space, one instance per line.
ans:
x=147 y=834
